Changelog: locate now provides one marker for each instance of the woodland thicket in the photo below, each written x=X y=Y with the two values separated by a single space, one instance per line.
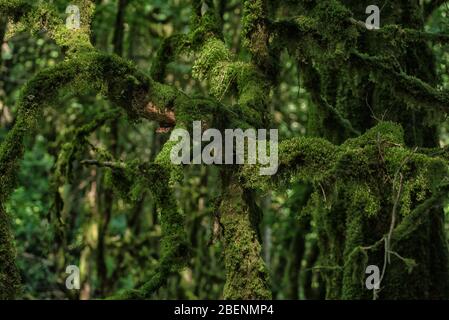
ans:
x=85 y=171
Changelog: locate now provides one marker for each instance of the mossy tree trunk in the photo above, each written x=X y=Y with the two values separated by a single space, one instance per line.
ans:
x=246 y=274
x=9 y=275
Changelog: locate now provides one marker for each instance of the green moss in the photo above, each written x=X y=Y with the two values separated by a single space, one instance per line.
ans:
x=204 y=24
x=357 y=185
x=14 y=8
x=130 y=181
x=36 y=18
x=212 y=53
x=254 y=12
x=170 y=48
x=122 y=84
x=246 y=274
x=9 y=274
x=215 y=64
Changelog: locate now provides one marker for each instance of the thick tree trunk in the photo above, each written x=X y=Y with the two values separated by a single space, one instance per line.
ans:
x=246 y=274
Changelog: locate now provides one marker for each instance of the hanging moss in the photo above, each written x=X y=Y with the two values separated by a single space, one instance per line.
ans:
x=130 y=181
x=356 y=183
x=246 y=275
x=9 y=274
x=170 y=48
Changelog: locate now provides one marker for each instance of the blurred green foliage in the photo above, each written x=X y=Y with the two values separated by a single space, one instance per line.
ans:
x=49 y=237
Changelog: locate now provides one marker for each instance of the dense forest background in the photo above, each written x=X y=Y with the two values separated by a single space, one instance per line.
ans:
x=361 y=119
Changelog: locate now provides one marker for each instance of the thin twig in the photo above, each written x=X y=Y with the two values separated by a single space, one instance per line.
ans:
x=109 y=164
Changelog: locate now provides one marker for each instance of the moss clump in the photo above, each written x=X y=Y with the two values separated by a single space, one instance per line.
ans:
x=44 y=17
x=215 y=64
x=130 y=181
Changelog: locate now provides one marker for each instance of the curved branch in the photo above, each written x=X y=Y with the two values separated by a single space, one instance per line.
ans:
x=44 y=17
x=414 y=88
x=393 y=31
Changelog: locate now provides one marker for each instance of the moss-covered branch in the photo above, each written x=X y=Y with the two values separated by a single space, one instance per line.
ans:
x=43 y=17
x=130 y=180
x=430 y=7
x=358 y=178
x=9 y=274
x=416 y=91
x=395 y=33
x=84 y=70
x=308 y=38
